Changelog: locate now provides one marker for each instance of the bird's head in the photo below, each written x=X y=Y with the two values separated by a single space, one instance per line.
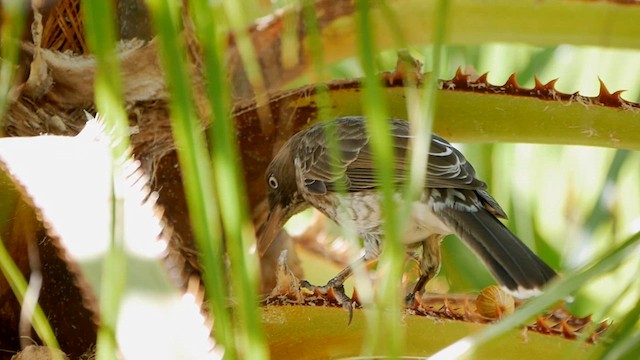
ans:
x=282 y=192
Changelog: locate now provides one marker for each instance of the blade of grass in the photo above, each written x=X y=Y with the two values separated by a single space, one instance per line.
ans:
x=625 y=346
x=584 y=244
x=19 y=287
x=326 y=112
x=386 y=330
x=196 y=170
x=537 y=63
x=421 y=108
x=238 y=229
x=557 y=290
x=101 y=38
x=600 y=212
x=616 y=338
x=10 y=33
x=237 y=20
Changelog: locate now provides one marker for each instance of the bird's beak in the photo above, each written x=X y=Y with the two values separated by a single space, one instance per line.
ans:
x=270 y=228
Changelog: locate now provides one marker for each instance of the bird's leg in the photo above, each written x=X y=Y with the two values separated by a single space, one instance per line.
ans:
x=337 y=285
x=429 y=265
x=337 y=281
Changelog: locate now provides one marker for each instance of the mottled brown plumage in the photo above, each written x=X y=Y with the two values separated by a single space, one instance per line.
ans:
x=304 y=174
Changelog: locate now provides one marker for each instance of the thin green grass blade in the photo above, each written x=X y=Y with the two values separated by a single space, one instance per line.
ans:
x=421 y=108
x=238 y=229
x=101 y=38
x=19 y=286
x=386 y=334
x=626 y=347
x=557 y=290
x=537 y=63
x=237 y=20
x=623 y=335
x=195 y=165
x=10 y=33
x=588 y=331
x=326 y=112
x=600 y=212
x=462 y=268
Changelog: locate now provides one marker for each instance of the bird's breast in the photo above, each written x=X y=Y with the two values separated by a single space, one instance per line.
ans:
x=362 y=210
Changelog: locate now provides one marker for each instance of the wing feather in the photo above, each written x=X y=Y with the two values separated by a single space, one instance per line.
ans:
x=447 y=167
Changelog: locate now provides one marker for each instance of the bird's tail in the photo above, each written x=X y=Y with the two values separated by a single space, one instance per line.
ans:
x=510 y=261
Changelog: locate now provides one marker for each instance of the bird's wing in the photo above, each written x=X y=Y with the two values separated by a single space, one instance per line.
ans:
x=323 y=170
x=353 y=169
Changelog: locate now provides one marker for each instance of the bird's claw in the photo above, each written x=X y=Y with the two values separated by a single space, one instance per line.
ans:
x=338 y=293
x=344 y=300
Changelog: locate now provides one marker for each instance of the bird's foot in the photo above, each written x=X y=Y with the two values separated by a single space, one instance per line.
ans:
x=338 y=292
x=410 y=300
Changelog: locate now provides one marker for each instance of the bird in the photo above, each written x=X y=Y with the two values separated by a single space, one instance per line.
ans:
x=306 y=173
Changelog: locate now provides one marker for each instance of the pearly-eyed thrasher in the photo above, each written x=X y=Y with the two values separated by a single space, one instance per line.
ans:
x=304 y=173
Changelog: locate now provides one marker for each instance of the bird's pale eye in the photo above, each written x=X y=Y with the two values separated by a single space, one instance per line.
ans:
x=273 y=182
